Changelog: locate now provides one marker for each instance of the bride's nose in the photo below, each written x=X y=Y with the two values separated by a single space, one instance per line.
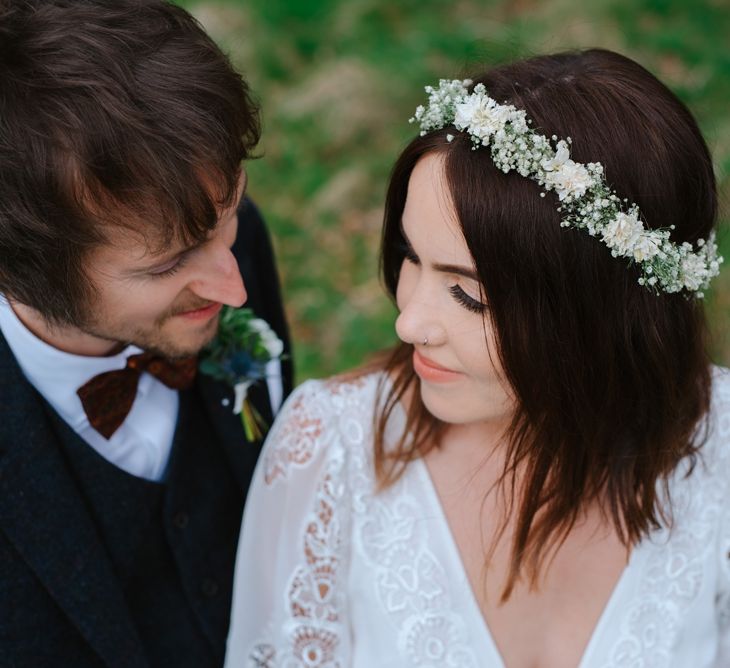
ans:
x=418 y=322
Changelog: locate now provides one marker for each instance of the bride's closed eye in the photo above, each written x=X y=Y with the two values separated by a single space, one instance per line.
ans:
x=456 y=291
x=467 y=301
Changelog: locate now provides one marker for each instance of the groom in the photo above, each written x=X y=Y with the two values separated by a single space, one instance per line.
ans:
x=124 y=227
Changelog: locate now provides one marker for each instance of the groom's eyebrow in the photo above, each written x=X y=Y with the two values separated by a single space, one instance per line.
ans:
x=457 y=269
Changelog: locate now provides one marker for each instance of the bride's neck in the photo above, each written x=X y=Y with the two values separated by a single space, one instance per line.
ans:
x=470 y=457
x=475 y=439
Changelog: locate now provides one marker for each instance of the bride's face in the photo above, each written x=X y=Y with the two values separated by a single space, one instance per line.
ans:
x=440 y=299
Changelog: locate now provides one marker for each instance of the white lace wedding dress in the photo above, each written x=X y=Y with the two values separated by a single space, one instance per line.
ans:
x=332 y=575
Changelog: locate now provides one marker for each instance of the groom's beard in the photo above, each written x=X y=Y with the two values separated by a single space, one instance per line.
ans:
x=168 y=335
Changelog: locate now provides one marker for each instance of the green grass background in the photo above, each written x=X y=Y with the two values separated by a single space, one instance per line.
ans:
x=338 y=80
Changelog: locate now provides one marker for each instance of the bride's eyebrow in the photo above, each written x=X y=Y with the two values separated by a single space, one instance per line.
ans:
x=466 y=272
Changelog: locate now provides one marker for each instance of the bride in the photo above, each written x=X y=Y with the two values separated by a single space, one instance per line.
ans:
x=539 y=475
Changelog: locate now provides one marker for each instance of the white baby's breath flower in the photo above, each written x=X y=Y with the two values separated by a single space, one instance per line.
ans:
x=562 y=153
x=622 y=232
x=646 y=246
x=693 y=271
x=570 y=180
x=481 y=115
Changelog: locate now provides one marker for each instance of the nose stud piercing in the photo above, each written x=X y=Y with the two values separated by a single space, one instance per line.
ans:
x=425 y=340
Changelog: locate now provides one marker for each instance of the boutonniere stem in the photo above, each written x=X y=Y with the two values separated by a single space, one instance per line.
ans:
x=238 y=356
x=254 y=425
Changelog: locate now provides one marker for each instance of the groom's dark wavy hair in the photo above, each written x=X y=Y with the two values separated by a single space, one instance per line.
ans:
x=112 y=112
x=611 y=380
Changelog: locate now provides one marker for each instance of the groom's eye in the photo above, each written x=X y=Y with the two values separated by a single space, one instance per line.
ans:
x=170 y=268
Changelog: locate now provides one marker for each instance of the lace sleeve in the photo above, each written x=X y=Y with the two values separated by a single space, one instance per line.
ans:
x=288 y=598
x=723 y=598
x=722 y=415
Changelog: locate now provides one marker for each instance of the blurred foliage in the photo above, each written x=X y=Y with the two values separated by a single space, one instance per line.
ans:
x=338 y=80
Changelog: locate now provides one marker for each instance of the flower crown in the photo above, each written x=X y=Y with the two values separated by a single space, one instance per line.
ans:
x=586 y=200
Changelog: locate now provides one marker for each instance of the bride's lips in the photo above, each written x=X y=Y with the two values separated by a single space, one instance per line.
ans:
x=202 y=313
x=428 y=370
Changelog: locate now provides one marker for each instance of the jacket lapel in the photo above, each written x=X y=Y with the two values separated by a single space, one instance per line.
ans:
x=43 y=515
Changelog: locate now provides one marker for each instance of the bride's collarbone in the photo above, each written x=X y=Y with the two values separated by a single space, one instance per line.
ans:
x=549 y=625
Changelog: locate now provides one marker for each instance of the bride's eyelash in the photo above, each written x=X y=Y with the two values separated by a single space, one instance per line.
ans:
x=469 y=303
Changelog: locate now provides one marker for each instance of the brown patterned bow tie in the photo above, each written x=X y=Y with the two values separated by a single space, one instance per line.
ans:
x=108 y=397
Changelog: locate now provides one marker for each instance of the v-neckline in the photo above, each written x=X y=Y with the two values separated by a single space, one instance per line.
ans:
x=457 y=563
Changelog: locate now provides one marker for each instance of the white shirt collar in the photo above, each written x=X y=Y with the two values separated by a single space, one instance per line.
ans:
x=57 y=374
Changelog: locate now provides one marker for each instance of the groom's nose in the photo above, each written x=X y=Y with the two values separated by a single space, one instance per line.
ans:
x=218 y=277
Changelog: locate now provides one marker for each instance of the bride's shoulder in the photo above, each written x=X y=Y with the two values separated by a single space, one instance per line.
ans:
x=721 y=385
x=318 y=421
x=333 y=396
x=716 y=448
x=720 y=403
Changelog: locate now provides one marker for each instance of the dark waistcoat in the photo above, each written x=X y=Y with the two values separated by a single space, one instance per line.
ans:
x=172 y=544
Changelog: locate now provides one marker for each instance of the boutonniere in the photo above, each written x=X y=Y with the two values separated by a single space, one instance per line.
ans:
x=238 y=356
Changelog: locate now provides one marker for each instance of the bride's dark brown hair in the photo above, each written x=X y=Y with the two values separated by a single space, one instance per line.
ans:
x=611 y=380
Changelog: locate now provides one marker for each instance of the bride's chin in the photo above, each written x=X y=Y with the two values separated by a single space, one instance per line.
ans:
x=442 y=408
x=468 y=407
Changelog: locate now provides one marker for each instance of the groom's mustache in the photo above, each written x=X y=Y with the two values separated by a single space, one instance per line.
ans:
x=185 y=307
